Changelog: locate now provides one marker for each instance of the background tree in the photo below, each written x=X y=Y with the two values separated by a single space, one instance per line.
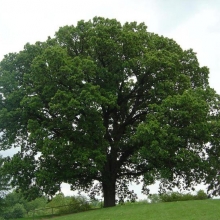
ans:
x=4 y=185
x=16 y=206
x=105 y=102
x=213 y=152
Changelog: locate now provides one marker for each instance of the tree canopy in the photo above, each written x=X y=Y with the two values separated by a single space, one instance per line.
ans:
x=106 y=103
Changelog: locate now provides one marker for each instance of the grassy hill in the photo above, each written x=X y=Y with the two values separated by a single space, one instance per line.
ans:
x=187 y=210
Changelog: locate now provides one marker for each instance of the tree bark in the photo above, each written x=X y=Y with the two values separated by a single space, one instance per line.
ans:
x=109 y=193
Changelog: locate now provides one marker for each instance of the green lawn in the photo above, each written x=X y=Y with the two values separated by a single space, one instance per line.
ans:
x=189 y=210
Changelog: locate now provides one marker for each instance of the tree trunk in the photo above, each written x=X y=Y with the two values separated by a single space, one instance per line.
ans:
x=109 y=193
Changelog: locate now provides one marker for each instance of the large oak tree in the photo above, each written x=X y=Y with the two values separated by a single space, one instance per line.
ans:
x=106 y=103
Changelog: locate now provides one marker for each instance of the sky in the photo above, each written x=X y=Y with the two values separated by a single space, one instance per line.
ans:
x=191 y=23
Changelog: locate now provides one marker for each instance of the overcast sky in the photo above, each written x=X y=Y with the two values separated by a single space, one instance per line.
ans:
x=191 y=23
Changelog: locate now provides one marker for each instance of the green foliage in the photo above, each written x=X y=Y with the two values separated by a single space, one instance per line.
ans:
x=16 y=206
x=176 y=196
x=4 y=179
x=4 y=185
x=105 y=102
x=35 y=204
x=154 y=198
x=75 y=205
x=95 y=203
x=17 y=211
x=66 y=205
x=14 y=197
x=201 y=195
x=59 y=200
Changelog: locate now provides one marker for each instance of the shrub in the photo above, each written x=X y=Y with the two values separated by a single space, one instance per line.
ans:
x=201 y=195
x=69 y=204
x=17 y=211
x=154 y=198
x=95 y=203
x=171 y=197
x=176 y=196
x=76 y=204
x=187 y=196
x=35 y=204
x=59 y=200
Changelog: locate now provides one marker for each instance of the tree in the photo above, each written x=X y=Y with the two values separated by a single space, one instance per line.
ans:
x=4 y=185
x=14 y=205
x=105 y=102
x=213 y=152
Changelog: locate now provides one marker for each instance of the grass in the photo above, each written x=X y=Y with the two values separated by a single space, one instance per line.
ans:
x=187 y=210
